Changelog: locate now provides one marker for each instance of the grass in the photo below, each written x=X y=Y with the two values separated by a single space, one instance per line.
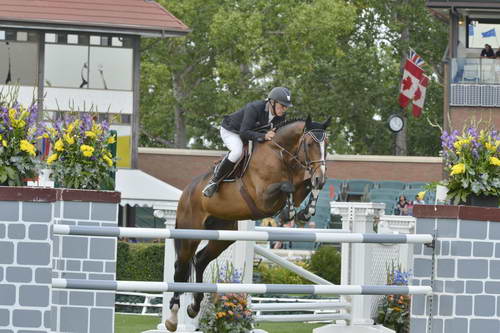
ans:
x=137 y=324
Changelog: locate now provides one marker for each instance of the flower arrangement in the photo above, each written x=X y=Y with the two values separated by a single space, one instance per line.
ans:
x=227 y=312
x=18 y=137
x=81 y=158
x=472 y=159
x=394 y=310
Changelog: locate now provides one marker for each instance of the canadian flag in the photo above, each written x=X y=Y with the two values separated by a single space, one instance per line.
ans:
x=411 y=78
x=419 y=97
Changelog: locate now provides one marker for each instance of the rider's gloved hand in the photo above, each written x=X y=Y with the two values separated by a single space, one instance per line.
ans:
x=269 y=135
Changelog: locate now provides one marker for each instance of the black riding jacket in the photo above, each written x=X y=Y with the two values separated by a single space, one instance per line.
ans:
x=247 y=120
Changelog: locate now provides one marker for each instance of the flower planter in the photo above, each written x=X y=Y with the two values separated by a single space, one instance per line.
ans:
x=482 y=200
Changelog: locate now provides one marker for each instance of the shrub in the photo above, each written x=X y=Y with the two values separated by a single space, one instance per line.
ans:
x=140 y=261
x=326 y=262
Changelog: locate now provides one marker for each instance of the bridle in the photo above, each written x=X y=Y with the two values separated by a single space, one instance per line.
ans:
x=318 y=135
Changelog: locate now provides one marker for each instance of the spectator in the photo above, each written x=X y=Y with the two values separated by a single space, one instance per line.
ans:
x=402 y=206
x=497 y=53
x=487 y=52
x=419 y=198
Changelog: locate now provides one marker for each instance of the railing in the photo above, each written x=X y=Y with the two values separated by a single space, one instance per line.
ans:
x=475 y=71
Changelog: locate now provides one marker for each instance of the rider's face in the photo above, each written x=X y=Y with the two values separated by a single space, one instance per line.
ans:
x=280 y=109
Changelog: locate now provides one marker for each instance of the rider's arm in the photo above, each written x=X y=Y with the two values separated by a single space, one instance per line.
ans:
x=248 y=123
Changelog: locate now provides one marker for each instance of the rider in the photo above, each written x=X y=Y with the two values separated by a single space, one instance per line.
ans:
x=242 y=126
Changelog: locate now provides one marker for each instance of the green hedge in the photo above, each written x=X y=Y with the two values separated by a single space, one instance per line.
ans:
x=140 y=261
x=144 y=262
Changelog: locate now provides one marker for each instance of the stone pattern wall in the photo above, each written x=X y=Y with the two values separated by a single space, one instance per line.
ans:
x=467 y=277
x=25 y=266
x=83 y=257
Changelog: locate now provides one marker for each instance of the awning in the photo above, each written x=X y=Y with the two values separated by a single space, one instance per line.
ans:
x=140 y=189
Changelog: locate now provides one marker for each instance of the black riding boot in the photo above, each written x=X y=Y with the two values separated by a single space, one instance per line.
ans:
x=225 y=167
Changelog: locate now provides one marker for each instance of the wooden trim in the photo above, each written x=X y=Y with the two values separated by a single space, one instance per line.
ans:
x=43 y=194
x=461 y=4
x=457 y=212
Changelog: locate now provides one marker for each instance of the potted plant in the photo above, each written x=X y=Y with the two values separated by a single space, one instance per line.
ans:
x=227 y=312
x=394 y=310
x=81 y=156
x=18 y=137
x=472 y=160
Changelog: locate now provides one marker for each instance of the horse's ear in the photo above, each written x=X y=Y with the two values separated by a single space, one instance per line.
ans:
x=308 y=122
x=327 y=122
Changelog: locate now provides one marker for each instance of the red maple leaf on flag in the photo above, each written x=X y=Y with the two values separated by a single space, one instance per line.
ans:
x=418 y=94
x=407 y=83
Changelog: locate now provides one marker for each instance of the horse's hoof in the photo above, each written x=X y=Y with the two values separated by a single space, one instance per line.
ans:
x=170 y=325
x=191 y=311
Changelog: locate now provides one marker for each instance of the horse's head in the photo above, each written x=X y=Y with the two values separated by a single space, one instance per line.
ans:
x=313 y=150
x=305 y=144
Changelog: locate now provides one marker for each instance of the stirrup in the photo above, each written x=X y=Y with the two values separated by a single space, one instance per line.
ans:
x=210 y=189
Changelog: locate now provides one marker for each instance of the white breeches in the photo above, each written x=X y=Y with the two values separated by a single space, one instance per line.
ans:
x=233 y=142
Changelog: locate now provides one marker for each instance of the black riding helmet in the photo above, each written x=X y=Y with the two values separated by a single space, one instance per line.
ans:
x=281 y=95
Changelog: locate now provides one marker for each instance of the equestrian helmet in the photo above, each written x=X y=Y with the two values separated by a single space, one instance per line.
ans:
x=281 y=95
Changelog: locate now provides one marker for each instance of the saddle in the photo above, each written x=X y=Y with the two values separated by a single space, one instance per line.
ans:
x=241 y=166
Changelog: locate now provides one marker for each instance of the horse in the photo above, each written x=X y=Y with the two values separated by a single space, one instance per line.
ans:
x=283 y=170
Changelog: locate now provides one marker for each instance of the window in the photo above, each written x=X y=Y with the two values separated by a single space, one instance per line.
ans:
x=18 y=57
x=482 y=31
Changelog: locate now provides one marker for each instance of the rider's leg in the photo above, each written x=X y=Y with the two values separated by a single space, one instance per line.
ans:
x=235 y=145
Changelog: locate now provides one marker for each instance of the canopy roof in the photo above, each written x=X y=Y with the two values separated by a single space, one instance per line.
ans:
x=137 y=17
x=140 y=189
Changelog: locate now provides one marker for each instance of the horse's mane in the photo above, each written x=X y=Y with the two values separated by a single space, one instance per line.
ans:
x=288 y=122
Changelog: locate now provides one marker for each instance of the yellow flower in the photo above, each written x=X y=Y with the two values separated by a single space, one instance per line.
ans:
x=52 y=158
x=26 y=146
x=458 y=145
x=52 y=131
x=72 y=126
x=90 y=134
x=494 y=161
x=18 y=123
x=12 y=114
x=4 y=143
x=97 y=129
x=421 y=195
x=490 y=147
x=59 y=146
x=86 y=150
x=457 y=169
x=107 y=160
x=111 y=140
x=44 y=135
x=69 y=139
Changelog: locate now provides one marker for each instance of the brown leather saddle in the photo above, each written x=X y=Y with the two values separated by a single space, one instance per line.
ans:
x=242 y=164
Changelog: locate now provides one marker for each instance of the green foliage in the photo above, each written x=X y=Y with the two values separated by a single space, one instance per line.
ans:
x=339 y=58
x=274 y=274
x=326 y=262
x=18 y=139
x=140 y=261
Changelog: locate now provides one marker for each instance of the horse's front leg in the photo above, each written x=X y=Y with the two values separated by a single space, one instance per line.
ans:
x=309 y=210
x=275 y=194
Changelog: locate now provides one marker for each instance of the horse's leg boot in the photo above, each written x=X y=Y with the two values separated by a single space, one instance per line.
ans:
x=222 y=171
x=171 y=323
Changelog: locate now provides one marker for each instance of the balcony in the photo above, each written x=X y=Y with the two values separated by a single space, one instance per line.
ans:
x=475 y=82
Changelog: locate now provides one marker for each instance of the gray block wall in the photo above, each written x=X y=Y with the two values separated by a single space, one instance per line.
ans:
x=466 y=295
x=82 y=257
x=25 y=266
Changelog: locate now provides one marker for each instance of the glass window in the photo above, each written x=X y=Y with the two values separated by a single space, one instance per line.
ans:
x=66 y=66
x=22 y=36
x=18 y=63
x=483 y=31
x=95 y=40
x=126 y=119
x=50 y=38
x=110 y=68
x=72 y=39
x=2 y=35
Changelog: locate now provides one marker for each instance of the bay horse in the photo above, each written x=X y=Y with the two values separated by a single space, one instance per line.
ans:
x=283 y=170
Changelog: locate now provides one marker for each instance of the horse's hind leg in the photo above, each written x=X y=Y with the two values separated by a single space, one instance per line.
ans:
x=185 y=251
x=203 y=258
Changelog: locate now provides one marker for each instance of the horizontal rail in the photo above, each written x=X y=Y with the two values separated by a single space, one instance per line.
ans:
x=302 y=317
x=239 y=235
x=307 y=230
x=239 y=288
x=299 y=306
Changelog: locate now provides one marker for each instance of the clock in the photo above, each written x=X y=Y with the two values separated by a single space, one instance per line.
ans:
x=396 y=123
